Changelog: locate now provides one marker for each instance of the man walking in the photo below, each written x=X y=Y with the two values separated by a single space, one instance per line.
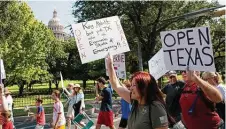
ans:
x=105 y=116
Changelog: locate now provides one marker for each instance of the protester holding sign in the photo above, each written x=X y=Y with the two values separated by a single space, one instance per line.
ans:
x=70 y=111
x=196 y=99
x=148 y=107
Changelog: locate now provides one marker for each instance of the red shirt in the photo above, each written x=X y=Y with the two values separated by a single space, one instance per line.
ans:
x=7 y=125
x=202 y=116
x=40 y=118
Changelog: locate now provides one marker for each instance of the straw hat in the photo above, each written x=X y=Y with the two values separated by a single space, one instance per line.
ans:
x=6 y=91
x=77 y=86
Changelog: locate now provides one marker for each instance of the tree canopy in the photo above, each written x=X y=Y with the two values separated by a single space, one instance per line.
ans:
x=142 y=22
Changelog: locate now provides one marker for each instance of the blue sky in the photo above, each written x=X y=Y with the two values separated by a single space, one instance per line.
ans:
x=43 y=11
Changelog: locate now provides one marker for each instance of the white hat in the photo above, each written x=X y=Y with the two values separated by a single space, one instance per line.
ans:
x=76 y=86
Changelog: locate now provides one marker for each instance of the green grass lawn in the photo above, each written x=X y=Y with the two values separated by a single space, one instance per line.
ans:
x=15 y=89
x=48 y=110
x=42 y=91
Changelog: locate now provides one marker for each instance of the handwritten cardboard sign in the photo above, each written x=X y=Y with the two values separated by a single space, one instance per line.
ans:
x=188 y=47
x=96 y=38
x=157 y=66
x=119 y=65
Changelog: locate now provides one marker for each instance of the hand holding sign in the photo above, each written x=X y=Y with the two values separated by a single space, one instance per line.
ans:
x=109 y=60
x=191 y=74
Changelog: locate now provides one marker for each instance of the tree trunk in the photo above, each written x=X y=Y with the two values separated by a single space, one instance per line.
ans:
x=140 y=57
x=21 y=87
x=50 y=86
x=84 y=84
x=56 y=82
x=29 y=86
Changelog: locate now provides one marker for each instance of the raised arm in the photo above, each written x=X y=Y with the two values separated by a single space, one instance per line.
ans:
x=210 y=91
x=116 y=85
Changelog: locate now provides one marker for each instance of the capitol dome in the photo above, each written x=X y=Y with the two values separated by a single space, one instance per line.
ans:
x=56 y=27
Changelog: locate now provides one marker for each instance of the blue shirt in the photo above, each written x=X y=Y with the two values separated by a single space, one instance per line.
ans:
x=106 y=103
x=109 y=86
x=126 y=108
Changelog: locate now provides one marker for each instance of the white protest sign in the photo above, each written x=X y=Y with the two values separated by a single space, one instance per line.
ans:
x=96 y=38
x=119 y=65
x=188 y=47
x=156 y=65
x=2 y=73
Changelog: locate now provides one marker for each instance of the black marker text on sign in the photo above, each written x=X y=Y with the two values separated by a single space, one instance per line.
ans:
x=188 y=47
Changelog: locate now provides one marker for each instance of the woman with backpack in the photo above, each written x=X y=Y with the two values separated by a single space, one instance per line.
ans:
x=197 y=101
x=148 y=107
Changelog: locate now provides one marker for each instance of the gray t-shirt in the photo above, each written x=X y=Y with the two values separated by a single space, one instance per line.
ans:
x=158 y=117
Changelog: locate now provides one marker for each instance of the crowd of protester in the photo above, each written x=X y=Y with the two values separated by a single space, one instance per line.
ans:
x=197 y=101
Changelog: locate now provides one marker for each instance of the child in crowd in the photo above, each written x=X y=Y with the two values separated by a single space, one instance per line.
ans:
x=58 y=112
x=40 y=115
x=8 y=124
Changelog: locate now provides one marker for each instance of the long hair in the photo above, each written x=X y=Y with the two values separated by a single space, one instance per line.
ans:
x=149 y=90
x=147 y=87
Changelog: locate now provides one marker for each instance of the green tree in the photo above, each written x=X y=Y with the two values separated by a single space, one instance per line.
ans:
x=25 y=43
x=76 y=70
x=142 y=21
x=217 y=28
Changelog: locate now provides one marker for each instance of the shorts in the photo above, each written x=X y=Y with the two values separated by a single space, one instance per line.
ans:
x=61 y=127
x=39 y=126
x=105 y=118
x=70 y=112
x=123 y=123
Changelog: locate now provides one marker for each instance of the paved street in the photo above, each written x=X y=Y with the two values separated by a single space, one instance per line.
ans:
x=22 y=123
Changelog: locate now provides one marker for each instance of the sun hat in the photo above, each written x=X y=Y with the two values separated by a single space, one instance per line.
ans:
x=6 y=91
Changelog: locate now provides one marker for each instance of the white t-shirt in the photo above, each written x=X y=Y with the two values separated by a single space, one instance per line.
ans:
x=77 y=98
x=58 y=108
x=222 y=89
x=9 y=101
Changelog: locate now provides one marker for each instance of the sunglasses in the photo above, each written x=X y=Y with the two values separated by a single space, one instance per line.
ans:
x=172 y=77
